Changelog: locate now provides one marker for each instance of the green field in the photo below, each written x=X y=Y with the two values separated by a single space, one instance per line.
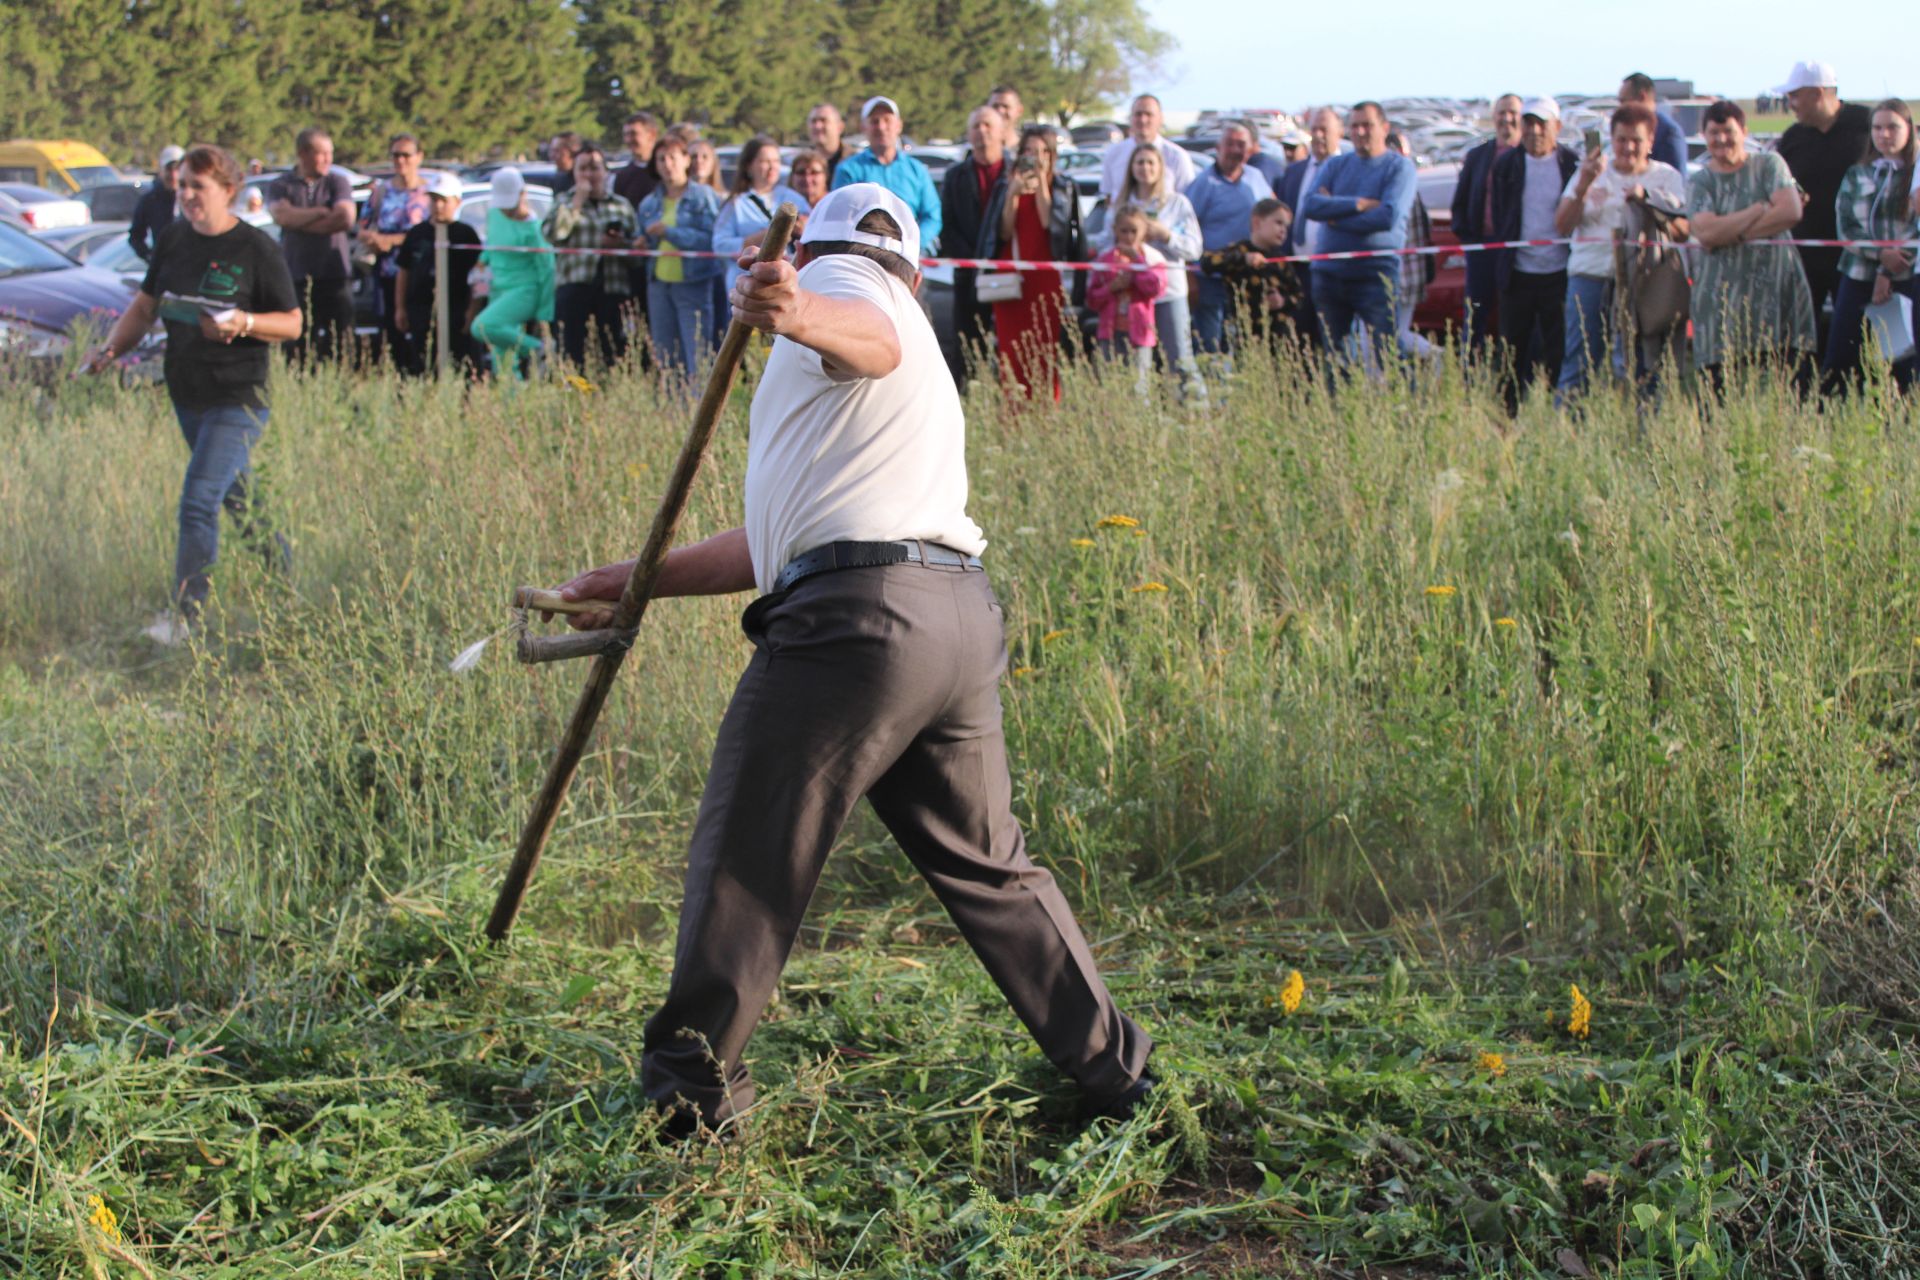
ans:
x=1449 y=718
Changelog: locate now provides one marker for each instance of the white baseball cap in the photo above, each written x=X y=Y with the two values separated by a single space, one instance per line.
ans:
x=1809 y=75
x=875 y=103
x=445 y=185
x=837 y=217
x=171 y=154
x=1541 y=108
x=507 y=185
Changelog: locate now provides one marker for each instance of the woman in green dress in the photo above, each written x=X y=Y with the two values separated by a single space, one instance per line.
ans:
x=1751 y=303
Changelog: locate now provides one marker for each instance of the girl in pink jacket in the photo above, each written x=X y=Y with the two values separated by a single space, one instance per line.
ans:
x=1123 y=298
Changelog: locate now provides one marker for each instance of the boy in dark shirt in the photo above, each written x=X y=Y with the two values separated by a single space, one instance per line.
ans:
x=1268 y=294
x=413 y=286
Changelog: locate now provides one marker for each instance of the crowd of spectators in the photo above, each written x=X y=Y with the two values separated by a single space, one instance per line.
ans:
x=1185 y=244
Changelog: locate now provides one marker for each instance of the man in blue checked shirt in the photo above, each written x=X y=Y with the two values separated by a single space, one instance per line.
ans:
x=884 y=163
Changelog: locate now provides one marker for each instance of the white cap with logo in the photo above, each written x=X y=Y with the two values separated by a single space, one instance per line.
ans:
x=444 y=185
x=876 y=103
x=1809 y=75
x=507 y=185
x=1541 y=108
x=171 y=154
x=837 y=217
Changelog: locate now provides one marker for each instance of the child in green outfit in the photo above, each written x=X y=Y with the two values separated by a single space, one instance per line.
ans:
x=521 y=287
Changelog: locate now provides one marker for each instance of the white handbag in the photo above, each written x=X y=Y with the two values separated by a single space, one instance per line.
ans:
x=997 y=286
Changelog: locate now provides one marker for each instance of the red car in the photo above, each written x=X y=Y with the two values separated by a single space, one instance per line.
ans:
x=1445 y=306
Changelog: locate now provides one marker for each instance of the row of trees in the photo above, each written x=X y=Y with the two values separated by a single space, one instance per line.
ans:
x=474 y=77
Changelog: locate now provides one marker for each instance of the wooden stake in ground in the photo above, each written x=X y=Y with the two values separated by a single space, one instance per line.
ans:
x=632 y=606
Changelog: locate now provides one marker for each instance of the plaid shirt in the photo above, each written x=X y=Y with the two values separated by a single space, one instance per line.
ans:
x=1863 y=212
x=1415 y=266
x=571 y=228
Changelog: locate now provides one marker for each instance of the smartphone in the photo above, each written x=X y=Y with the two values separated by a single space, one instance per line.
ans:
x=1026 y=164
x=1593 y=140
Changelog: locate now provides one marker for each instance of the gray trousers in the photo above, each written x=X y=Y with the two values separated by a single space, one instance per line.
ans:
x=882 y=682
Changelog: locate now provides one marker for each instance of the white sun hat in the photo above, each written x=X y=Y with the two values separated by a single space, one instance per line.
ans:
x=837 y=217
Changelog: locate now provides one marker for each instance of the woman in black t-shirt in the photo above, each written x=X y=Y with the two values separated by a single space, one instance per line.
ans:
x=222 y=288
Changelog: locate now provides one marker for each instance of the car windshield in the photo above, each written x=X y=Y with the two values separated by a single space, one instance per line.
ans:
x=94 y=175
x=20 y=253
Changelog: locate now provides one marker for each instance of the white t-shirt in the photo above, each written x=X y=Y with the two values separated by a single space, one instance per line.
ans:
x=856 y=459
x=1538 y=200
x=1605 y=211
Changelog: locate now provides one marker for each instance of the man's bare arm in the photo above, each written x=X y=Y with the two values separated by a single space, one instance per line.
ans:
x=853 y=337
x=718 y=566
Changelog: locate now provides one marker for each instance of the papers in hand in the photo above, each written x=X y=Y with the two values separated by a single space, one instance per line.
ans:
x=188 y=308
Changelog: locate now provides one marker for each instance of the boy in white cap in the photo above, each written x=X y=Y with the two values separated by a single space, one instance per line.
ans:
x=520 y=283
x=1827 y=138
x=884 y=164
x=413 y=284
x=878 y=649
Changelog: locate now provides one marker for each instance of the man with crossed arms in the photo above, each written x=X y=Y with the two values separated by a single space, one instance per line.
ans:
x=878 y=649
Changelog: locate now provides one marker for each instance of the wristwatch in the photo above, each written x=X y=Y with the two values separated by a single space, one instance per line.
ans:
x=248 y=331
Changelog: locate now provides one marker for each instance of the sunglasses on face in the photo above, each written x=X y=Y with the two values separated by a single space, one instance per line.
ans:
x=402 y=155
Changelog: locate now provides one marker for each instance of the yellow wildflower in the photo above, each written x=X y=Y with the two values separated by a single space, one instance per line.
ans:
x=581 y=385
x=1442 y=590
x=1051 y=636
x=1505 y=622
x=1117 y=522
x=1022 y=672
x=1493 y=1064
x=1148 y=586
x=1081 y=542
x=103 y=1219
x=636 y=469
x=1292 y=991
x=1139 y=533
x=1580 y=1019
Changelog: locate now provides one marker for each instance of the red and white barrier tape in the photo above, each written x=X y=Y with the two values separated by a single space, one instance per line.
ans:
x=1011 y=264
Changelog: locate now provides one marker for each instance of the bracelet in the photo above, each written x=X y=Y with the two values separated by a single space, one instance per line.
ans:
x=249 y=329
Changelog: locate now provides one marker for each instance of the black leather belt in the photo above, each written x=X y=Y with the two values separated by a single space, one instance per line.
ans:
x=862 y=555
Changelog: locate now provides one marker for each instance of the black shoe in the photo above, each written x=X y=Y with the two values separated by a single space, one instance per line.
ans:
x=1122 y=1105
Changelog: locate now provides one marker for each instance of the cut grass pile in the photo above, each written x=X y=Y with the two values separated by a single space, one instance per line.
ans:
x=1450 y=720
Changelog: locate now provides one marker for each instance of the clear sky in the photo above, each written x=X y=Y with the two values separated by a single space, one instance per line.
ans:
x=1249 y=53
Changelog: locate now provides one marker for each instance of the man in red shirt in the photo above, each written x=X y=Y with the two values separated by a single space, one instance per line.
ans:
x=963 y=196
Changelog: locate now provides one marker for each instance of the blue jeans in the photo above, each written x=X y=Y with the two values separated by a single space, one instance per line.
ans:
x=1589 y=333
x=679 y=320
x=219 y=474
x=1344 y=300
x=1210 y=314
x=1847 y=335
x=1174 y=325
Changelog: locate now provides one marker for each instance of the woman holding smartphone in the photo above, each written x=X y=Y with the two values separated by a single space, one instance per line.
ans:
x=1034 y=216
x=223 y=290
x=1593 y=207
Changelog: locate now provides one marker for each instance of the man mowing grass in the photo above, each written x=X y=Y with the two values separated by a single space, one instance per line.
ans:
x=878 y=648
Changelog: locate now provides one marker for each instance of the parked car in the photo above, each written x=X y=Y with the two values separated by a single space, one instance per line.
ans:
x=112 y=201
x=63 y=167
x=79 y=243
x=40 y=210
x=48 y=302
x=1445 y=307
x=1097 y=133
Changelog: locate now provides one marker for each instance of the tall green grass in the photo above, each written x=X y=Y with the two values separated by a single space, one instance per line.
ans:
x=1635 y=687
